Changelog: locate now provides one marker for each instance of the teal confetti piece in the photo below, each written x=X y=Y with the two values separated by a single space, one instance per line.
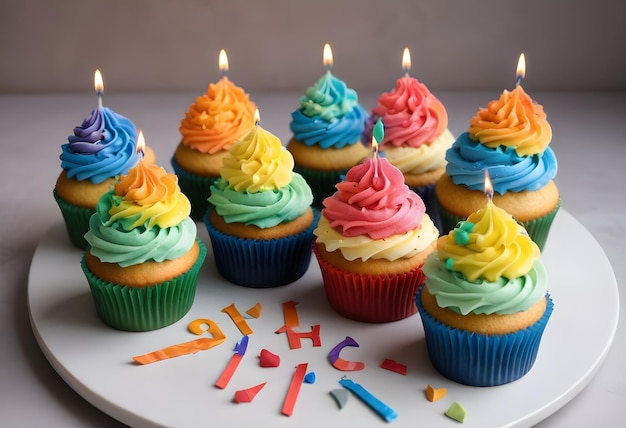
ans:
x=379 y=131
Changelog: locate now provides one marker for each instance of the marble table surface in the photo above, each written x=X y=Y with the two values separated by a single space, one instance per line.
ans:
x=589 y=141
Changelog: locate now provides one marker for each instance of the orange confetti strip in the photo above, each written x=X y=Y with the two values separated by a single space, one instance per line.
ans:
x=290 y=314
x=294 y=389
x=255 y=311
x=185 y=348
x=228 y=372
x=238 y=319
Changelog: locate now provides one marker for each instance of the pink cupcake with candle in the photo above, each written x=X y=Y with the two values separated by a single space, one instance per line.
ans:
x=371 y=241
x=416 y=134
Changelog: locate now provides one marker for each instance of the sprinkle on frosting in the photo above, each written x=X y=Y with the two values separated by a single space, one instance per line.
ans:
x=329 y=115
x=514 y=120
x=102 y=147
x=218 y=118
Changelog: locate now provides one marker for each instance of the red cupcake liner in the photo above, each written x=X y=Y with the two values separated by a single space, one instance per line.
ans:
x=370 y=298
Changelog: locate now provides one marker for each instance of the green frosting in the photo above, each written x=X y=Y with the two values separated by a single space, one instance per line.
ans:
x=504 y=296
x=111 y=243
x=262 y=209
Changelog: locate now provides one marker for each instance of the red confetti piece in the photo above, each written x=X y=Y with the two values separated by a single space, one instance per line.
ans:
x=294 y=389
x=394 y=366
x=247 y=395
x=268 y=359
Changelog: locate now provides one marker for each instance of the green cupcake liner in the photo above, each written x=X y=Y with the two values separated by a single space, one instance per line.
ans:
x=322 y=183
x=145 y=308
x=196 y=187
x=76 y=220
x=537 y=229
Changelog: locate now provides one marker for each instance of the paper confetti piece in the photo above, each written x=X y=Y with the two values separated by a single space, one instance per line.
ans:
x=255 y=311
x=238 y=319
x=340 y=396
x=294 y=389
x=177 y=350
x=394 y=366
x=435 y=394
x=233 y=363
x=198 y=327
x=268 y=359
x=310 y=378
x=386 y=412
x=341 y=364
x=456 y=412
x=290 y=315
x=247 y=395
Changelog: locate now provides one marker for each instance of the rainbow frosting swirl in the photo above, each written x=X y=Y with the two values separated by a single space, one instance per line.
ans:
x=375 y=215
x=486 y=265
x=257 y=184
x=218 y=118
x=144 y=217
x=103 y=146
x=510 y=139
x=329 y=115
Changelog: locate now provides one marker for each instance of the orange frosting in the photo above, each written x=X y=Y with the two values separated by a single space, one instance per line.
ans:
x=218 y=118
x=514 y=120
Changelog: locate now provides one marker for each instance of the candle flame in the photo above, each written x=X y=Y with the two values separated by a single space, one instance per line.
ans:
x=328 y=56
x=406 y=60
x=141 y=143
x=223 y=61
x=98 y=83
x=257 y=117
x=488 y=185
x=374 y=145
x=521 y=69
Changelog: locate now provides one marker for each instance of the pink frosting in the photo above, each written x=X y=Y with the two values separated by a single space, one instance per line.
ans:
x=373 y=200
x=411 y=113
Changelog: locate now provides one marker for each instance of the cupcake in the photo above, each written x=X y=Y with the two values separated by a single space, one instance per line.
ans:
x=218 y=118
x=485 y=304
x=416 y=135
x=326 y=132
x=509 y=139
x=102 y=147
x=259 y=219
x=371 y=241
x=144 y=256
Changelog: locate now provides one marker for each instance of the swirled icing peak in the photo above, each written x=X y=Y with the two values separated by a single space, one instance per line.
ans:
x=489 y=245
x=218 y=118
x=258 y=163
x=413 y=116
x=329 y=115
x=514 y=120
x=373 y=200
x=147 y=196
x=103 y=146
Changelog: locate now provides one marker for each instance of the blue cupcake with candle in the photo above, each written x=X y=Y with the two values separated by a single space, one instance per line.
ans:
x=326 y=130
x=102 y=147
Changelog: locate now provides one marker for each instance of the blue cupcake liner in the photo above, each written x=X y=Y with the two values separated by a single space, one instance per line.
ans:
x=479 y=359
x=197 y=188
x=262 y=263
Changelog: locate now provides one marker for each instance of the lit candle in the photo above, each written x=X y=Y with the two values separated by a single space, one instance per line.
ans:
x=223 y=62
x=141 y=144
x=328 y=57
x=488 y=186
x=406 y=61
x=98 y=84
x=521 y=69
x=257 y=117
x=378 y=134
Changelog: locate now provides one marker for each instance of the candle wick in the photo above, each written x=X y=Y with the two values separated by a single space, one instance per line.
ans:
x=518 y=80
x=99 y=99
x=406 y=72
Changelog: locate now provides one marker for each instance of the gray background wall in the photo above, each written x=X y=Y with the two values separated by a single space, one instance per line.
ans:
x=165 y=45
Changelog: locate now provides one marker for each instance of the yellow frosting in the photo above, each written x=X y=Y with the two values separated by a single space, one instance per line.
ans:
x=258 y=163
x=489 y=245
x=149 y=194
x=514 y=120
x=424 y=158
x=218 y=118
